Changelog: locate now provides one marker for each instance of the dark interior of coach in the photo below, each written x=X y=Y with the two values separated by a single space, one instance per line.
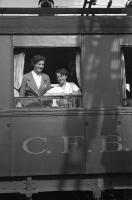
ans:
x=127 y=58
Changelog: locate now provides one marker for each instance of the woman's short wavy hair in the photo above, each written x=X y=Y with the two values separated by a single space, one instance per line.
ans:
x=36 y=59
x=62 y=71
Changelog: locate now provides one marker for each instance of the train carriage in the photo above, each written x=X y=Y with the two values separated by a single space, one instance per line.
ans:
x=84 y=145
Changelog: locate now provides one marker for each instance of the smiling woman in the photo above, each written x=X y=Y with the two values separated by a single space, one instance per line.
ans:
x=35 y=83
x=64 y=88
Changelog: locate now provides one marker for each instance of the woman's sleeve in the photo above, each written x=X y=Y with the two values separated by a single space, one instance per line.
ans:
x=23 y=87
x=75 y=88
x=49 y=83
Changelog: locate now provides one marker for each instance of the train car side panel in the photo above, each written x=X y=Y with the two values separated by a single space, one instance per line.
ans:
x=5 y=74
x=48 y=145
x=5 y=147
x=103 y=138
x=102 y=71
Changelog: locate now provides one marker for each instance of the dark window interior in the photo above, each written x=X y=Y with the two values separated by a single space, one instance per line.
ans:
x=127 y=52
x=57 y=57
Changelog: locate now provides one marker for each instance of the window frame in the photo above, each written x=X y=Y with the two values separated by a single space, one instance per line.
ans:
x=50 y=46
x=126 y=101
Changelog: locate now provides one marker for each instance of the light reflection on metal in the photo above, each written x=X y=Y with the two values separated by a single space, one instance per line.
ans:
x=46 y=3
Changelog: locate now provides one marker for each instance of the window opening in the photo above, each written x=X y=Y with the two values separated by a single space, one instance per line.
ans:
x=126 y=58
x=68 y=58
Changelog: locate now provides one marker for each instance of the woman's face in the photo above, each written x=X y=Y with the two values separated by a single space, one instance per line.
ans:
x=39 y=66
x=61 y=78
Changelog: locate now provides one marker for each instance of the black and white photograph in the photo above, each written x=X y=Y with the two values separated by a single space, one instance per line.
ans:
x=66 y=99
